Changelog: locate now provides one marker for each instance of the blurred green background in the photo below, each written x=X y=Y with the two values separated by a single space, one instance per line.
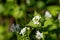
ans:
x=22 y=11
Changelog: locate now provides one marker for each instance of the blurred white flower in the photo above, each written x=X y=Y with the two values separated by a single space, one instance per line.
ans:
x=13 y=28
x=39 y=35
x=59 y=17
x=17 y=27
x=35 y=22
x=28 y=1
x=23 y=31
x=47 y=14
x=36 y=19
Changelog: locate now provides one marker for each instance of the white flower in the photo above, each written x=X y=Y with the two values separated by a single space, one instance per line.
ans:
x=17 y=27
x=35 y=22
x=23 y=31
x=13 y=28
x=59 y=17
x=39 y=35
x=47 y=14
x=36 y=19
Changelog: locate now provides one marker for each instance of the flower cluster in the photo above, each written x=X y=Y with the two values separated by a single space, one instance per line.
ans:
x=23 y=31
x=47 y=14
x=15 y=28
x=36 y=20
x=39 y=35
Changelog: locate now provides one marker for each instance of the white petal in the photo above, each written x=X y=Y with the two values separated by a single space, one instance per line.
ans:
x=23 y=31
x=36 y=19
x=13 y=28
x=39 y=35
x=47 y=14
x=59 y=17
x=36 y=23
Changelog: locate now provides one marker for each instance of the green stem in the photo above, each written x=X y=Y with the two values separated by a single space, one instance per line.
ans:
x=43 y=38
x=59 y=1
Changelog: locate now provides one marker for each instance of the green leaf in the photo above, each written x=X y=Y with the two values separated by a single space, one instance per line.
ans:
x=47 y=23
x=50 y=1
x=2 y=29
x=9 y=7
x=36 y=13
x=32 y=24
x=40 y=4
x=10 y=34
x=3 y=37
x=53 y=36
x=54 y=26
x=19 y=11
x=15 y=12
x=10 y=0
x=1 y=8
x=22 y=7
x=53 y=10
